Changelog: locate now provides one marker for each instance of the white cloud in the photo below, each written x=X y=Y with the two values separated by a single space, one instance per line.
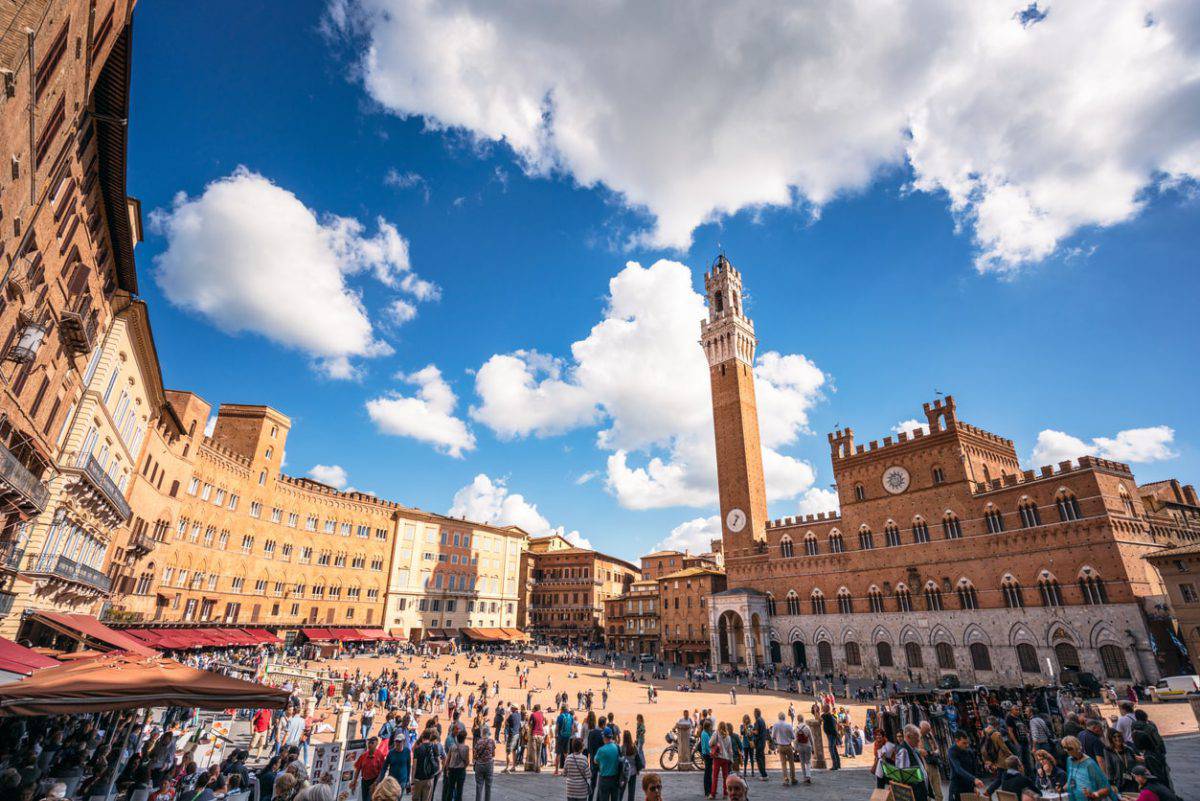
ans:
x=586 y=477
x=427 y=416
x=695 y=536
x=909 y=426
x=1132 y=445
x=210 y=425
x=641 y=376
x=407 y=180
x=248 y=255
x=488 y=500
x=400 y=311
x=693 y=111
x=817 y=500
x=331 y=474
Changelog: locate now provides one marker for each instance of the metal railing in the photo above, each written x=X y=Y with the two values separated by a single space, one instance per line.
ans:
x=11 y=554
x=16 y=477
x=6 y=602
x=107 y=487
x=69 y=569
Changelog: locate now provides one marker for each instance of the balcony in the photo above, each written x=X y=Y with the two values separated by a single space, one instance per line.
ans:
x=19 y=487
x=69 y=570
x=78 y=331
x=101 y=487
x=6 y=602
x=142 y=543
x=11 y=554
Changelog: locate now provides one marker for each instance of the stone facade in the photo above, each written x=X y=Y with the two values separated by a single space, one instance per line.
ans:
x=684 y=597
x=942 y=538
x=632 y=620
x=570 y=588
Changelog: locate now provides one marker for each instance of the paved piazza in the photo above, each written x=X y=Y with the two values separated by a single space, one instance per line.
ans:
x=628 y=699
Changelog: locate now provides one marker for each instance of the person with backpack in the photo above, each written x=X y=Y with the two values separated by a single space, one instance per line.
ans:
x=608 y=776
x=425 y=766
x=564 y=726
x=632 y=763
x=721 y=749
x=802 y=748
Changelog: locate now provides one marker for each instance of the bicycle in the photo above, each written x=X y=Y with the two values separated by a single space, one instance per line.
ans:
x=669 y=760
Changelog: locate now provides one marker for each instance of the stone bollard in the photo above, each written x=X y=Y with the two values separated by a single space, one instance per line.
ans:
x=343 y=723
x=684 y=733
x=818 y=743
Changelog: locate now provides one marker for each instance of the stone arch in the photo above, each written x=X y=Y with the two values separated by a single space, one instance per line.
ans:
x=881 y=634
x=909 y=634
x=1020 y=633
x=1102 y=634
x=822 y=634
x=1058 y=632
x=940 y=634
x=849 y=635
x=975 y=634
x=796 y=635
x=773 y=635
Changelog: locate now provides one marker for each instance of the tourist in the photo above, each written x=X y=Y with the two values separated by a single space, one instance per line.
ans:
x=1085 y=779
x=1012 y=779
x=260 y=725
x=577 y=772
x=458 y=758
x=720 y=749
x=738 y=791
x=387 y=789
x=1049 y=775
x=640 y=737
x=802 y=748
x=965 y=770
x=632 y=764
x=607 y=761
x=1153 y=759
x=484 y=758
x=652 y=787
x=1150 y=787
x=367 y=768
x=931 y=754
x=367 y=719
x=564 y=726
x=1119 y=761
x=883 y=751
x=830 y=729
x=783 y=734
x=399 y=761
x=760 y=744
x=426 y=762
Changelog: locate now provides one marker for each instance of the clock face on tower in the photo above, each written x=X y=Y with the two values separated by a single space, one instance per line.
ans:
x=896 y=479
x=735 y=521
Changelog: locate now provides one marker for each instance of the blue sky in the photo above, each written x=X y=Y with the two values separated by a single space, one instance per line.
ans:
x=865 y=270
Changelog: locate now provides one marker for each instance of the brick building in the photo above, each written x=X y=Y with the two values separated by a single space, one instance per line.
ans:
x=570 y=586
x=684 y=597
x=632 y=620
x=946 y=557
x=66 y=239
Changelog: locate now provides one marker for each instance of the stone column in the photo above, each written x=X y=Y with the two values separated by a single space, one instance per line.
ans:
x=818 y=743
x=684 y=733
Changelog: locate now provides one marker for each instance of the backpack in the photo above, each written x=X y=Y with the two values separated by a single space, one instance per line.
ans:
x=802 y=736
x=627 y=769
x=427 y=762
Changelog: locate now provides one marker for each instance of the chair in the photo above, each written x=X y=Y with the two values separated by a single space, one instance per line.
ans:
x=1004 y=795
x=972 y=797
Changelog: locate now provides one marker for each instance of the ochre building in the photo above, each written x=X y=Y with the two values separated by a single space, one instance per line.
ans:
x=947 y=556
x=570 y=586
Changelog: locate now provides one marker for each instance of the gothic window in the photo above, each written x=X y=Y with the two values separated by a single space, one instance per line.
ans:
x=1029 y=514
x=1113 y=660
x=912 y=655
x=1127 y=502
x=1013 y=597
x=883 y=652
x=891 y=535
x=967 y=597
x=875 y=600
x=853 y=654
x=903 y=599
x=920 y=530
x=981 y=658
x=1050 y=591
x=793 y=603
x=938 y=476
x=866 y=540
x=845 y=602
x=818 y=602
x=1068 y=506
x=785 y=547
x=860 y=494
x=951 y=527
x=994 y=520
x=835 y=542
x=1027 y=658
x=810 y=544
x=1092 y=588
x=945 y=655
x=770 y=605
x=933 y=598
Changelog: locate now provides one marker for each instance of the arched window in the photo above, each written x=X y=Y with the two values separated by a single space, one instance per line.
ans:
x=875 y=599
x=912 y=655
x=1092 y=588
x=1027 y=658
x=825 y=655
x=866 y=540
x=1049 y=589
x=845 y=602
x=981 y=658
x=951 y=527
x=1127 y=502
x=891 y=535
x=860 y=494
x=967 y=597
x=1013 y=597
x=793 y=603
x=818 y=602
x=1068 y=506
x=262 y=478
x=933 y=598
x=785 y=547
x=945 y=655
x=939 y=477
x=994 y=520
x=903 y=599
x=1067 y=656
x=853 y=654
x=1113 y=660
x=883 y=653
x=810 y=544
x=920 y=530
x=1030 y=516
x=771 y=605
x=835 y=542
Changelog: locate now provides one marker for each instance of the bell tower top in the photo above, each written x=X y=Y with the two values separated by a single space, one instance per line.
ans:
x=727 y=334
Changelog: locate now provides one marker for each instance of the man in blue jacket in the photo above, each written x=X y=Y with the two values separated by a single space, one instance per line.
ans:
x=964 y=767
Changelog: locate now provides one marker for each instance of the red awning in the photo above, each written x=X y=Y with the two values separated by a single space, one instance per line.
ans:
x=346 y=635
x=372 y=634
x=174 y=639
x=86 y=627
x=319 y=635
x=263 y=636
x=19 y=659
x=237 y=637
x=147 y=637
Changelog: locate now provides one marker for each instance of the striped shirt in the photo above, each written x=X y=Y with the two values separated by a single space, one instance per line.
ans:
x=578 y=772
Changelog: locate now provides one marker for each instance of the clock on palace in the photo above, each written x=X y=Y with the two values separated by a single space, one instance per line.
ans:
x=896 y=479
x=735 y=521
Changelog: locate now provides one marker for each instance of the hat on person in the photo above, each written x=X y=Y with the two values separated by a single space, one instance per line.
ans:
x=1143 y=771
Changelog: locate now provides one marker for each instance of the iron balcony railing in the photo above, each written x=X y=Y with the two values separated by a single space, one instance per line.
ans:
x=141 y=541
x=20 y=486
x=69 y=569
x=11 y=554
x=107 y=487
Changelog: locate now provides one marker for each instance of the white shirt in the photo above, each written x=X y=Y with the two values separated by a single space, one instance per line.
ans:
x=889 y=748
x=1125 y=726
x=783 y=733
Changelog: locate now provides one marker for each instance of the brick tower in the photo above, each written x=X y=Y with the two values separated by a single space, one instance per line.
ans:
x=728 y=340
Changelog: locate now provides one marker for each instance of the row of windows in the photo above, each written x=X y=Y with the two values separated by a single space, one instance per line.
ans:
x=1066 y=504
x=197 y=580
x=219 y=497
